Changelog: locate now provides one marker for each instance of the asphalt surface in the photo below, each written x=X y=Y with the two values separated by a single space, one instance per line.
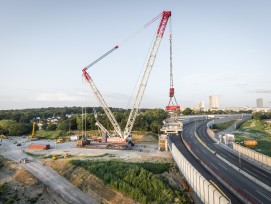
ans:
x=261 y=174
x=176 y=139
x=248 y=189
x=69 y=192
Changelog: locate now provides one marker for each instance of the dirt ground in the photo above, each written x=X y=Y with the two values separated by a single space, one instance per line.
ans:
x=95 y=188
x=19 y=186
x=88 y=183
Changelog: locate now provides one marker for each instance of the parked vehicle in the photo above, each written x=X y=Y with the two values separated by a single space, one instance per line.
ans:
x=24 y=160
x=60 y=140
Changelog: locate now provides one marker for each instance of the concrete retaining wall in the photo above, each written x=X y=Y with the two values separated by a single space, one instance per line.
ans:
x=253 y=154
x=202 y=187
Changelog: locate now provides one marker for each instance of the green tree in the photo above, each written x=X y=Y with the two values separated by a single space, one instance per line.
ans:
x=63 y=125
x=51 y=127
x=188 y=111
x=17 y=129
x=155 y=126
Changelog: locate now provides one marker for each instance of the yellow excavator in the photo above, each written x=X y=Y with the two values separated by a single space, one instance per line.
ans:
x=32 y=136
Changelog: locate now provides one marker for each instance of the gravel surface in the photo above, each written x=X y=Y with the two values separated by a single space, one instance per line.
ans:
x=49 y=177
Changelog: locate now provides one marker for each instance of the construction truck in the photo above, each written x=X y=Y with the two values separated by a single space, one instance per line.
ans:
x=60 y=140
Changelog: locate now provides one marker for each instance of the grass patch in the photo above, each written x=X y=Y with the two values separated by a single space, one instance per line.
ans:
x=3 y=189
x=255 y=130
x=39 y=156
x=101 y=155
x=33 y=200
x=223 y=126
x=137 y=180
x=49 y=134
x=1 y=162
x=55 y=155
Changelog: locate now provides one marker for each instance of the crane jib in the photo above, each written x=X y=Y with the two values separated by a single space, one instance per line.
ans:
x=103 y=56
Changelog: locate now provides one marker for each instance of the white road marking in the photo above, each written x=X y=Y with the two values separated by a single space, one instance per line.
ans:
x=252 y=196
x=222 y=166
x=260 y=172
x=213 y=166
x=251 y=173
x=264 y=195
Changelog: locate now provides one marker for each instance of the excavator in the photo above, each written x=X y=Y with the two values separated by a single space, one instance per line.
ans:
x=119 y=135
x=33 y=136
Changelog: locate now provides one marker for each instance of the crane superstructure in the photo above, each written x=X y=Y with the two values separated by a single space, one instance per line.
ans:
x=126 y=135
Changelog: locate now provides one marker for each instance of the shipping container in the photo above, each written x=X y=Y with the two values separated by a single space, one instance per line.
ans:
x=39 y=146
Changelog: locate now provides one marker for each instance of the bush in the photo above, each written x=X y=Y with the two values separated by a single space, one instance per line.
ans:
x=136 y=180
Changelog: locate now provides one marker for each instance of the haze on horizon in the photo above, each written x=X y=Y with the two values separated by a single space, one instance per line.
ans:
x=219 y=48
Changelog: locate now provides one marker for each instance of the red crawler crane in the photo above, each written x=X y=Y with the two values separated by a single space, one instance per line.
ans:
x=125 y=136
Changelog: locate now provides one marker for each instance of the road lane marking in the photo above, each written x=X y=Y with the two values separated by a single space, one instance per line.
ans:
x=213 y=166
x=250 y=173
x=260 y=173
x=222 y=166
x=264 y=195
x=252 y=195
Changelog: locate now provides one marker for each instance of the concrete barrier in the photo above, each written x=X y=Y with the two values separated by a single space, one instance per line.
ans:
x=202 y=187
x=264 y=159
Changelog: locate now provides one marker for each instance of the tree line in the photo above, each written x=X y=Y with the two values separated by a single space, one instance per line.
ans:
x=19 y=122
x=261 y=116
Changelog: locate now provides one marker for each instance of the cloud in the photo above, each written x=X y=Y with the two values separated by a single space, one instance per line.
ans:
x=268 y=91
x=61 y=97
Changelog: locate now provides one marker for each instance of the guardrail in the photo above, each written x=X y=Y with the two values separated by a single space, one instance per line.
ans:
x=264 y=159
x=202 y=187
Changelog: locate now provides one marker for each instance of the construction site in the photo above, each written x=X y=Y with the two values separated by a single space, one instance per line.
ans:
x=38 y=154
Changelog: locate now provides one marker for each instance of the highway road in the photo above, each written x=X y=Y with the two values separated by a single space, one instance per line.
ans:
x=257 y=172
x=176 y=139
x=69 y=192
x=245 y=187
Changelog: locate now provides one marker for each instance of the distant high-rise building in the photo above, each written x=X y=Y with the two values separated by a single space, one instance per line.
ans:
x=213 y=102
x=259 y=102
x=201 y=106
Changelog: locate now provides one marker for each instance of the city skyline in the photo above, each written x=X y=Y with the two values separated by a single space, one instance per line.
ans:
x=219 y=48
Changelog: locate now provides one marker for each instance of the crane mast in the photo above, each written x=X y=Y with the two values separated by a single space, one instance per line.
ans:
x=145 y=77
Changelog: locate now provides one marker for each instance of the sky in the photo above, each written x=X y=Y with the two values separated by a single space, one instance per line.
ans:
x=219 y=48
